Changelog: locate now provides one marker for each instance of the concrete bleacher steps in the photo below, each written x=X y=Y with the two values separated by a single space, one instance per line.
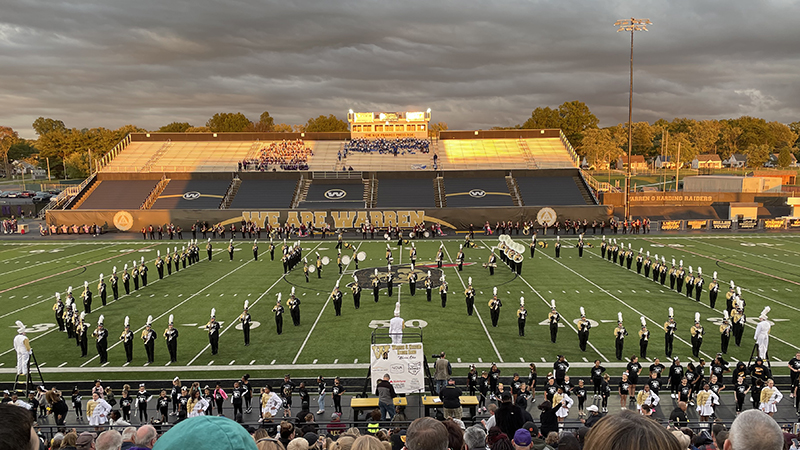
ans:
x=440 y=196
x=119 y=194
x=511 y=183
x=153 y=195
x=325 y=155
x=550 y=191
x=475 y=192
x=192 y=194
x=587 y=196
x=264 y=194
x=481 y=154
x=231 y=193
x=134 y=157
x=550 y=153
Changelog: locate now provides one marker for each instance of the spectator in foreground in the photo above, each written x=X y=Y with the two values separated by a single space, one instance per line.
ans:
x=509 y=416
x=475 y=438
x=451 y=400
x=426 y=433
x=109 y=440
x=754 y=430
x=630 y=431
x=145 y=438
x=206 y=432
x=85 y=441
x=128 y=435
x=678 y=416
x=17 y=431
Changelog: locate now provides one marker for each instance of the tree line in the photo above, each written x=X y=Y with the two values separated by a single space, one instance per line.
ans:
x=70 y=151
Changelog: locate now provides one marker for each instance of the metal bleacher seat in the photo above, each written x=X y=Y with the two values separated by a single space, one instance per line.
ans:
x=192 y=194
x=480 y=154
x=471 y=192
x=550 y=153
x=264 y=194
x=543 y=191
x=119 y=194
x=400 y=193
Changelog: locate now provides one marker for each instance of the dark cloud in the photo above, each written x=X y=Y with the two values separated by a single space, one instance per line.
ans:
x=476 y=64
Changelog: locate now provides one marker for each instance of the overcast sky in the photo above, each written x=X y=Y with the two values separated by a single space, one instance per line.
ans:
x=476 y=64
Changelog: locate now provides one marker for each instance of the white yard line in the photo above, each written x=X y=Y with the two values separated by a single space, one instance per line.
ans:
x=49 y=262
x=319 y=316
x=567 y=322
x=486 y=330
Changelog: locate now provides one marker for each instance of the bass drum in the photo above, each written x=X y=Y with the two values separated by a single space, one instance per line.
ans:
x=361 y=256
x=312 y=269
x=426 y=234
x=345 y=260
x=325 y=260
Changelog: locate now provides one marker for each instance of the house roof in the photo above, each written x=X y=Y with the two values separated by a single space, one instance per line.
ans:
x=708 y=157
x=739 y=156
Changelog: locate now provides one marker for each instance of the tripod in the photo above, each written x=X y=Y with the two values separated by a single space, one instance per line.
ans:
x=29 y=377
x=755 y=352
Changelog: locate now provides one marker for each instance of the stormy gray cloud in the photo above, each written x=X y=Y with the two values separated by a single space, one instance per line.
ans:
x=475 y=64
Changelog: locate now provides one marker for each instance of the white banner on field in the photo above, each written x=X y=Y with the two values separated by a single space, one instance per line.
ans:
x=403 y=363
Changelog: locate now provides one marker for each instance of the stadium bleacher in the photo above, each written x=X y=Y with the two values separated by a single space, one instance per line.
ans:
x=481 y=154
x=549 y=153
x=537 y=191
x=192 y=194
x=118 y=194
x=472 y=192
x=404 y=193
x=264 y=194
x=284 y=155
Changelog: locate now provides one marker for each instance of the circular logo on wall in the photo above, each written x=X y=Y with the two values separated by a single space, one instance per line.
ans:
x=335 y=194
x=477 y=193
x=194 y=195
x=123 y=220
x=546 y=216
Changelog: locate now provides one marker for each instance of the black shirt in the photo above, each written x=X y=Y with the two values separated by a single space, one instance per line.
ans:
x=597 y=372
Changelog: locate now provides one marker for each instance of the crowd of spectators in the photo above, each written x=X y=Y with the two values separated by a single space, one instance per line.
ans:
x=10 y=225
x=382 y=146
x=286 y=155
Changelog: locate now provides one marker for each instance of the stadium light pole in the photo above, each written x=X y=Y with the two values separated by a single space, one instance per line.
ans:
x=630 y=25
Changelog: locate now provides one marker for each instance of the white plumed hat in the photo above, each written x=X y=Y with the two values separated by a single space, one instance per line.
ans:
x=171 y=319
x=644 y=322
x=20 y=327
x=101 y=277
x=58 y=296
x=69 y=290
x=149 y=320
x=553 y=304
x=397 y=309
x=246 y=304
x=85 y=284
x=494 y=290
x=619 y=316
x=715 y=275
x=469 y=281
x=725 y=314
x=279 y=297
x=697 y=317
x=763 y=315
x=671 y=312
x=127 y=321
x=101 y=319
x=213 y=312
x=583 y=312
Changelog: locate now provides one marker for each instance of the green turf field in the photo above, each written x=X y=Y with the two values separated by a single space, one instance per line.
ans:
x=766 y=266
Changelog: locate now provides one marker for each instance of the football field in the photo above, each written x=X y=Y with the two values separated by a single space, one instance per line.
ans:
x=766 y=266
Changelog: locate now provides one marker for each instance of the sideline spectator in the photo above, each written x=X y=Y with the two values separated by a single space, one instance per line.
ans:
x=17 y=431
x=630 y=431
x=128 y=435
x=754 y=430
x=109 y=440
x=451 y=400
x=509 y=416
x=206 y=432
x=288 y=155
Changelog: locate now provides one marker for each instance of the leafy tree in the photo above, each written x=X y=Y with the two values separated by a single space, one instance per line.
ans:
x=8 y=137
x=757 y=154
x=77 y=165
x=728 y=142
x=175 y=127
x=687 y=149
x=228 y=122
x=265 y=124
x=599 y=145
x=795 y=127
x=198 y=130
x=575 y=119
x=283 y=128
x=705 y=135
x=22 y=149
x=43 y=126
x=754 y=131
x=781 y=135
x=325 y=124
x=784 y=157
x=543 y=118
x=435 y=128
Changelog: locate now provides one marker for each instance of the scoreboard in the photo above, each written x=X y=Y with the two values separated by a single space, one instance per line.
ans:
x=389 y=125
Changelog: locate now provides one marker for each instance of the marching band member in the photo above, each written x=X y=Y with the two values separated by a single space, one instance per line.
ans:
x=171 y=338
x=149 y=338
x=336 y=296
x=553 y=317
x=101 y=289
x=376 y=286
x=644 y=338
x=494 y=307
x=469 y=296
x=669 y=333
x=619 y=336
x=460 y=256
x=443 y=290
x=58 y=307
x=356 y=288
x=213 y=331
x=278 y=310
x=725 y=333
x=101 y=335
x=698 y=284
x=86 y=295
x=294 y=308
x=558 y=247
x=440 y=256
x=583 y=330
x=428 y=286
x=762 y=333
x=522 y=315
x=697 y=333
x=114 y=283
x=245 y=319
x=713 y=291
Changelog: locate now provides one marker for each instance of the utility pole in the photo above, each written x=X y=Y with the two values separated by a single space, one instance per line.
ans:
x=630 y=25
x=678 y=167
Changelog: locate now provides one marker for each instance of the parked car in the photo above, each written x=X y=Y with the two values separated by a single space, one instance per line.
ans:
x=42 y=197
x=10 y=194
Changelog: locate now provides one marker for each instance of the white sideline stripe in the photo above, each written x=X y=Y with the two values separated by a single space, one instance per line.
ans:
x=321 y=310
x=463 y=285
x=51 y=261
